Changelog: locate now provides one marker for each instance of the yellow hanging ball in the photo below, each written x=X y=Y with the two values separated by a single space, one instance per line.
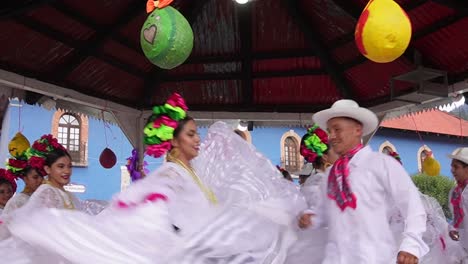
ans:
x=383 y=31
x=431 y=166
x=18 y=145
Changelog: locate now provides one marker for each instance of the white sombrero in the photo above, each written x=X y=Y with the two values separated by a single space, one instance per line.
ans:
x=348 y=108
x=460 y=154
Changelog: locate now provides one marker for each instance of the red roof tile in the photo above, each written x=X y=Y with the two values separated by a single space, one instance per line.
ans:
x=432 y=121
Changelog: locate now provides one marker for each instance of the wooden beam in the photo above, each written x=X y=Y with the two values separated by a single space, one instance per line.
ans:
x=47 y=81
x=444 y=22
x=244 y=16
x=271 y=55
x=240 y=75
x=102 y=33
x=63 y=38
x=313 y=39
x=112 y=34
x=459 y=5
x=278 y=108
x=16 y=8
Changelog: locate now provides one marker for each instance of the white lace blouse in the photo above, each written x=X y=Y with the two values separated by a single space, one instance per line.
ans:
x=17 y=201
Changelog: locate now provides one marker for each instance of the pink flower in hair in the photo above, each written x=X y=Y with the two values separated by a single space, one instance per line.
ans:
x=177 y=101
x=159 y=149
x=165 y=120
x=322 y=135
x=308 y=154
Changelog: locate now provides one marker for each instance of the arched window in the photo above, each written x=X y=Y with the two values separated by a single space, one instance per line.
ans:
x=387 y=147
x=69 y=134
x=71 y=131
x=423 y=153
x=291 y=149
x=291 y=160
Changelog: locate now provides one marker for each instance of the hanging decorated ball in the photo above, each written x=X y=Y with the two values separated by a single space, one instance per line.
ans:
x=166 y=36
x=431 y=166
x=107 y=158
x=383 y=31
x=18 y=145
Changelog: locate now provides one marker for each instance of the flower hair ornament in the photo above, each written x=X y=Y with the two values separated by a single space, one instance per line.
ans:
x=38 y=151
x=396 y=156
x=314 y=143
x=161 y=125
x=10 y=177
x=16 y=166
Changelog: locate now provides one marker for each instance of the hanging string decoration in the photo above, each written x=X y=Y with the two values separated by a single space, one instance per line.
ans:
x=18 y=145
x=107 y=159
x=383 y=31
x=166 y=36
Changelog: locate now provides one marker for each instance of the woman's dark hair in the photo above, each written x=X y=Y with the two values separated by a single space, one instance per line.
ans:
x=54 y=155
x=28 y=169
x=5 y=181
x=287 y=175
x=318 y=162
x=181 y=125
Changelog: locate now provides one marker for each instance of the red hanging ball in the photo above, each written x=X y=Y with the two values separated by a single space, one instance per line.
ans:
x=107 y=158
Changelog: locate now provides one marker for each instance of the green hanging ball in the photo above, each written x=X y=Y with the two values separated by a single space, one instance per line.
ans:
x=166 y=38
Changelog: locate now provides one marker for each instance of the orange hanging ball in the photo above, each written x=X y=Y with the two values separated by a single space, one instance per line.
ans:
x=383 y=31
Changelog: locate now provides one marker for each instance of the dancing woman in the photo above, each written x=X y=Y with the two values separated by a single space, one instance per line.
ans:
x=228 y=205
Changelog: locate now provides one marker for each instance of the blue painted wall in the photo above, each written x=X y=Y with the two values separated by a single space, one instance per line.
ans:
x=408 y=143
x=100 y=183
x=103 y=183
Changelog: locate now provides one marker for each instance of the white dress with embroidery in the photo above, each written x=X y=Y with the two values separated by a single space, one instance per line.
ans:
x=167 y=218
x=16 y=202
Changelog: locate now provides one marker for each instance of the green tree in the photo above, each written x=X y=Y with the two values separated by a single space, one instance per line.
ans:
x=437 y=187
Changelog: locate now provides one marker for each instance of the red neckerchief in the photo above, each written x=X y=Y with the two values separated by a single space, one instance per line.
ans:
x=338 y=185
x=456 y=202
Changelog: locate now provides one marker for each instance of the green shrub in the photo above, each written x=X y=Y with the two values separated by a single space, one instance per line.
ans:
x=437 y=187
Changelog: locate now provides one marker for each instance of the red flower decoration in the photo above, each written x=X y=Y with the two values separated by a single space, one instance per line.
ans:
x=38 y=164
x=308 y=154
x=10 y=177
x=322 y=135
x=20 y=164
x=159 y=149
x=39 y=146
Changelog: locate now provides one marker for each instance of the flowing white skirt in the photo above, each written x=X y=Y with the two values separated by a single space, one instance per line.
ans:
x=253 y=224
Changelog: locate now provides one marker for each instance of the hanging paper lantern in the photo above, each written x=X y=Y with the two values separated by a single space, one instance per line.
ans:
x=383 y=31
x=431 y=166
x=18 y=145
x=107 y=158
x=166 y=36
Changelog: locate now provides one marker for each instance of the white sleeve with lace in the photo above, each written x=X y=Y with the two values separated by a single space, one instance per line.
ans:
x=17 y=201
x=45 y=196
